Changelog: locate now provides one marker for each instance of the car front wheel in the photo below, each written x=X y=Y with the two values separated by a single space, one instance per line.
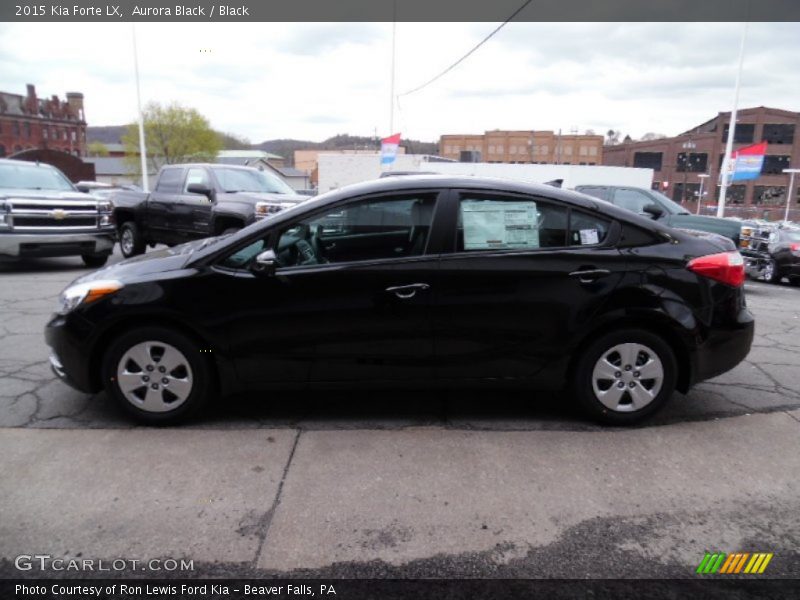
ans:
x=625 y=376
x=158 y=375
x=771 y=272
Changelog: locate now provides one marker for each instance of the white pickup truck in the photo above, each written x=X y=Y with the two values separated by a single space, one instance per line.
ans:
x=42 y=214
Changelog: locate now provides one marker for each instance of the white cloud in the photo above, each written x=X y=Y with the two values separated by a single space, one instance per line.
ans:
x=311 y=81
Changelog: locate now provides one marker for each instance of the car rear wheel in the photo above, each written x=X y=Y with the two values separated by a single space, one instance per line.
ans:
x=625 y=376
x=158 y=375
x=131 y=242
x=771 y=272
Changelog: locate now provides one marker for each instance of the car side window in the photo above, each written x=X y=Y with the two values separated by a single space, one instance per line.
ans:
x=587 y=230
x=488 y=222
x=195 y=175
x=370 y=229
x=169 y=182
x=632 y=200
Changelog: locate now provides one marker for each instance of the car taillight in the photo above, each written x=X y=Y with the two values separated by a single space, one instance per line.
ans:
x=795 y=247
x=726 y=267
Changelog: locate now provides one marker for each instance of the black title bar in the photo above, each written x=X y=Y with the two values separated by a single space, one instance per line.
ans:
x=399 y=10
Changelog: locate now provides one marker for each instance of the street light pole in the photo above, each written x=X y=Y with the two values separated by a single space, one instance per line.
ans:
x=702 y=177
x=789 y=192
x=142 y=146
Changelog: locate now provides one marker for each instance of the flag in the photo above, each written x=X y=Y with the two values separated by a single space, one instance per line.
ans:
x=747 y=162
x=389 y=147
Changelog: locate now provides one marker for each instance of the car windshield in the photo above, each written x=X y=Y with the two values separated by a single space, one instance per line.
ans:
x=791 y=236
x=250 y=180
x=671 y=207
x=33 y=177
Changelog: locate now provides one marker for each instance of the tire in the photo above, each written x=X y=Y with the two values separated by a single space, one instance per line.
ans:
x=133 y=375
x=94 y=261
x=770 y=272
x=131 y=241
x=620 y=407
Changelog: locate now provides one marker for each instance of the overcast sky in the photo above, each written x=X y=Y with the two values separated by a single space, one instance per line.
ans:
x=312 y=81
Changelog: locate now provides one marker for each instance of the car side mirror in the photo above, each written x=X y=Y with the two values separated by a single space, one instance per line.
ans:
x=265 y=264
x=655 y=211
x=199 y=188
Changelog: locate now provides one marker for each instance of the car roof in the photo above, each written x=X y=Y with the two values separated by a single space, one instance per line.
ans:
x=209 y=165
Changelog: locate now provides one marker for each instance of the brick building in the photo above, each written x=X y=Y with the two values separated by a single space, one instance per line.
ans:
x=28 y=122
x=526 y=147
x=678 y=161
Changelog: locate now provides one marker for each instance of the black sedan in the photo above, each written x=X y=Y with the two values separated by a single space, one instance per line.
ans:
x=417 y=282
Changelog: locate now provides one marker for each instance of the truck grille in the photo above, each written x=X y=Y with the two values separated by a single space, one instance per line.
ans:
x=57 y=215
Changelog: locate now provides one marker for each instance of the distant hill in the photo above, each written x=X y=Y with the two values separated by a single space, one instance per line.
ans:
x=109 y=134
x=286 y=147
x=112 y=134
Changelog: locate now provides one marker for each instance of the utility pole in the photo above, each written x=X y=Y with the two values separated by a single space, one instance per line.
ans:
x=731 y=128
x=142 y=146
x=394 y=50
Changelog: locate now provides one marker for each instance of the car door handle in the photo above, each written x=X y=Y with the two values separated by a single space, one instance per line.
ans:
x=589 y=275
x=404 y=292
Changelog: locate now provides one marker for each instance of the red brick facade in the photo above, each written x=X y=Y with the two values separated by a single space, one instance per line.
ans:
x=28 y=122
x=677 y=162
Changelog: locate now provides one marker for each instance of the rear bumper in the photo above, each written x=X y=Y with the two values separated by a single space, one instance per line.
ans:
x=725 y=347
x=39 y=245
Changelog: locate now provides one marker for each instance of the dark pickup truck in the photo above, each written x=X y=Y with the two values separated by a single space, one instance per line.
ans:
x=657 y=206
x=195 y=201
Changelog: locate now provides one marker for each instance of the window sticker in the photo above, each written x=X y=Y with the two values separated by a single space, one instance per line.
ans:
x=589 y=237
x=495 y=224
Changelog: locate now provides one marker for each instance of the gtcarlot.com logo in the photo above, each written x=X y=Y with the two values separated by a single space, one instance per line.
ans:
x=46 y=562
x=746 y=563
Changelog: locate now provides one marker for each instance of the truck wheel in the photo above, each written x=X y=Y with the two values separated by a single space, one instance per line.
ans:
x=770 y=272
x=158 y=375
x=131 y=242
x=94 y=261
x=625 y=376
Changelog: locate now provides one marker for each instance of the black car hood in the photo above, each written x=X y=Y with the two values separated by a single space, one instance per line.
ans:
x=159 y=261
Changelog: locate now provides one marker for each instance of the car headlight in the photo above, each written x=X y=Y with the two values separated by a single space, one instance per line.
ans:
x=265 y=209
x=85 y=293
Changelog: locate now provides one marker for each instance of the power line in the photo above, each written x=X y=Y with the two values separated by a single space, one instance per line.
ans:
x=463 y=58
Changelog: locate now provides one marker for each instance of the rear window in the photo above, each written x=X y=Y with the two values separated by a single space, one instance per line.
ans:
x=597 y=192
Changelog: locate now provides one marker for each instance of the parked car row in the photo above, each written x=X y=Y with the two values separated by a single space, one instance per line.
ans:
x=771 y=251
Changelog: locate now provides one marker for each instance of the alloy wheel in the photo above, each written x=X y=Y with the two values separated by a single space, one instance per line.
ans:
x=154 y=376
x=126 y=241
x=627 y=377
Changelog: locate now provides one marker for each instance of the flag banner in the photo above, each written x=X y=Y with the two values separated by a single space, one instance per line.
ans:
x=748 y=162
x=389 y=148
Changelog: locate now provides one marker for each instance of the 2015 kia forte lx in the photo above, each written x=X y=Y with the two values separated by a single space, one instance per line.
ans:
x=414 y=281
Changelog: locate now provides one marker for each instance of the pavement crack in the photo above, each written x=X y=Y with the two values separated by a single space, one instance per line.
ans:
x=270 y=514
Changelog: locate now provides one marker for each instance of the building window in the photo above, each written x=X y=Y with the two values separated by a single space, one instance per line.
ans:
x=734 y=194
x=692 y=163
x=65 y=134
x=648 y=160
x=26 y=128
x=544 y=149
x=491 y=149
x=778 y=134
x=15 y=128
x=44 y=133
x=592 y=150
x=744 y=134
x=769 y=195
x=774 y=164
x=74 y=136
x=512 y=149
x=568 y=150
x=690 y=195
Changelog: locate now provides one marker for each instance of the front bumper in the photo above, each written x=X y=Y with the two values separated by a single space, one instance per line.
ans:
x=39 y=245
x=70 y=355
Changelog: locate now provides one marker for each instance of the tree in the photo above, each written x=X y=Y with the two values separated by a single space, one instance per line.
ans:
x=173 y=134
x=231 y=141
x=652 y=136
x=97 y=149
x=612 y=137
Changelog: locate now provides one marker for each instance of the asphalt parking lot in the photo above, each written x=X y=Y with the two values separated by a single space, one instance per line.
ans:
x=453 y=484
